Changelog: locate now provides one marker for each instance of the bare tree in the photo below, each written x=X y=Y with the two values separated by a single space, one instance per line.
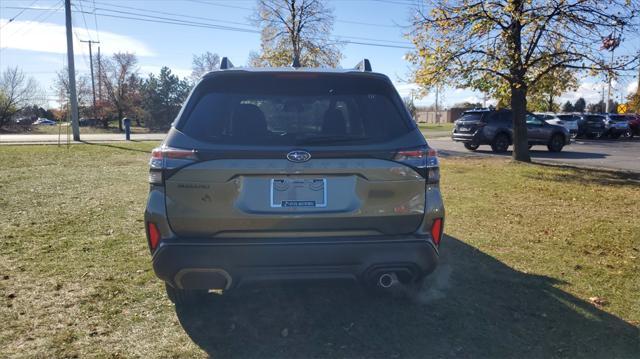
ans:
x=202 y=64
x=83 y=91
x=517 y=43
x=16 y=92
x=295 y=31
x=122 y=84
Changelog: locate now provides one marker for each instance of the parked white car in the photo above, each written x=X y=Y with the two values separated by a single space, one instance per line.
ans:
x=44 y=121
x=569 y=123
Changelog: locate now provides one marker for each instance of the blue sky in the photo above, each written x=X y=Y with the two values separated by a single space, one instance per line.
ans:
x=35 y=40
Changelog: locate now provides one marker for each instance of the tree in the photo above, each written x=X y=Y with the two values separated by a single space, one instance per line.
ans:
x=411 y=107
x=202 y=64
x=596 y=107
x=83 y=92
x=162 y=98
x=580 y=105
x=122 y=85
x=542 y=94
x=295 y=31
x=517 y=43
x=567 y=107
x=16 y=92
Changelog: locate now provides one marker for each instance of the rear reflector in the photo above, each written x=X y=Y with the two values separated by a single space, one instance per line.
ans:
x=154 y=235
x=436 y=231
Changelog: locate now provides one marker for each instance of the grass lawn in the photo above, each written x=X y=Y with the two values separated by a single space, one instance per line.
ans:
x=62 y=128
x=527 y=246
x=443 y=127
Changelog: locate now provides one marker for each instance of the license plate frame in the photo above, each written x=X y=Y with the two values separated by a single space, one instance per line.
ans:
x=289 y=190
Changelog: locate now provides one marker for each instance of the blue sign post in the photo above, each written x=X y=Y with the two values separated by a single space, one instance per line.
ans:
x=127 y=128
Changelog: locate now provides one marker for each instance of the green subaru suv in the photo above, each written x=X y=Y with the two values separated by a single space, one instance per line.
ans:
x=287 y=174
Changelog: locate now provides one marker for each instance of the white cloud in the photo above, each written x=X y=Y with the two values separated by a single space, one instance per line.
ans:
x=51 y=38
x=632 y=87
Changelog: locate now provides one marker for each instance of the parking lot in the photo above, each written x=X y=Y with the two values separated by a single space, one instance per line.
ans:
x=608 y=154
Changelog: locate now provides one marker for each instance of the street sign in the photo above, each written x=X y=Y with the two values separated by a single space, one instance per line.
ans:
x=622 y=108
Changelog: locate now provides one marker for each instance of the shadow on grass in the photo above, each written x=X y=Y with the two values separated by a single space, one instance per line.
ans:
x=110 y=145
x=582 y=176
x=475 y=306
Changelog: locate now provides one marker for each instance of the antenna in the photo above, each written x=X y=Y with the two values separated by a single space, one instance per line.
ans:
x=364 y=66
x=225 y=64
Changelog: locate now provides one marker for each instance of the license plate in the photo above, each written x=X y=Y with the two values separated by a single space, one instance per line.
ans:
x=464 y=129
x=301 y=192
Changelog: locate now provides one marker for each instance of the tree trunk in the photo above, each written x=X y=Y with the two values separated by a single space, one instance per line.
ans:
x=520 y=138
x=120 y=114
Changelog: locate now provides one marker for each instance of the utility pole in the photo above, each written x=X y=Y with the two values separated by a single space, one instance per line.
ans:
x=93 y=83
x=99 y=76
x=72 y=73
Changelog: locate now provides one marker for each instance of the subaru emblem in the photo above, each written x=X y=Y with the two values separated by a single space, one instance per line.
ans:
x=298 y=156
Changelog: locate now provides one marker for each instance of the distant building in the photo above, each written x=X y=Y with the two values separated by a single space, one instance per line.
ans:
x=444 y=116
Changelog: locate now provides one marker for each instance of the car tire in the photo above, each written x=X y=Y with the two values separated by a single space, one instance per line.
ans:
x=184 y=296
x=556 y=143
x=471 y=146
x=500 y=143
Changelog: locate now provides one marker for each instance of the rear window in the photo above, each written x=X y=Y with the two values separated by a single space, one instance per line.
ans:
x=618 y=118
x=593 y=118
x=472 y=116
x=294 y=109
x=568 y=117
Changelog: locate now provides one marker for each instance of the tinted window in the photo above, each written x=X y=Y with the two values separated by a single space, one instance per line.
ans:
x=472 y=116
x=568 y=117
x=294 y=109
x=593 y=118
x=618 y=118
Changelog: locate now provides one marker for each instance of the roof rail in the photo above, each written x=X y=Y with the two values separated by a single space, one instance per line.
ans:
x=225 y=64
x=364 y=66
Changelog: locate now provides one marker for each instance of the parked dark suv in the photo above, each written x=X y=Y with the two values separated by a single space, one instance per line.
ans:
x=495 y=128
x=293 y=174
x=591 y=126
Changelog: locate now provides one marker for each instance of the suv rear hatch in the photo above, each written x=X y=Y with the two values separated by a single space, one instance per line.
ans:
x=470 y=122
x=280 y=154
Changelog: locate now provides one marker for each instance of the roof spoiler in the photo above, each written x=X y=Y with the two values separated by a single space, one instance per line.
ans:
x=364 y=66
x=225 y=64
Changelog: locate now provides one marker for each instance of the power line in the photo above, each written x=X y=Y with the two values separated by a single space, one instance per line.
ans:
x=216 y=20
x=180 y=22
x=84 y=19
x=95 y=20
x=18 y=14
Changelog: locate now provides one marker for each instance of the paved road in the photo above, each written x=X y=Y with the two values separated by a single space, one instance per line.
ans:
x=615 y=154
x=94 y=137
x=608 y=154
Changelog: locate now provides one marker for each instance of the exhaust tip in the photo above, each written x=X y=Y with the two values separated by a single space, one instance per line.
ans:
x=387 y=280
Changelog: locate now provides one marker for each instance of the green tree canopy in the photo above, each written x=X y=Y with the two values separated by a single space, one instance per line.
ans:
x=580 y=105
x=162 y=98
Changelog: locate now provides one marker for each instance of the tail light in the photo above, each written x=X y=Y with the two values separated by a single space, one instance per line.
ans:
x=153 y=235
x=436 y=231
x=423 y=159
x=164 y=159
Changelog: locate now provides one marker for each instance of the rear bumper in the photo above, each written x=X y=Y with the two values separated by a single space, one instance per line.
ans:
x=223 y=264
x=467 y=137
